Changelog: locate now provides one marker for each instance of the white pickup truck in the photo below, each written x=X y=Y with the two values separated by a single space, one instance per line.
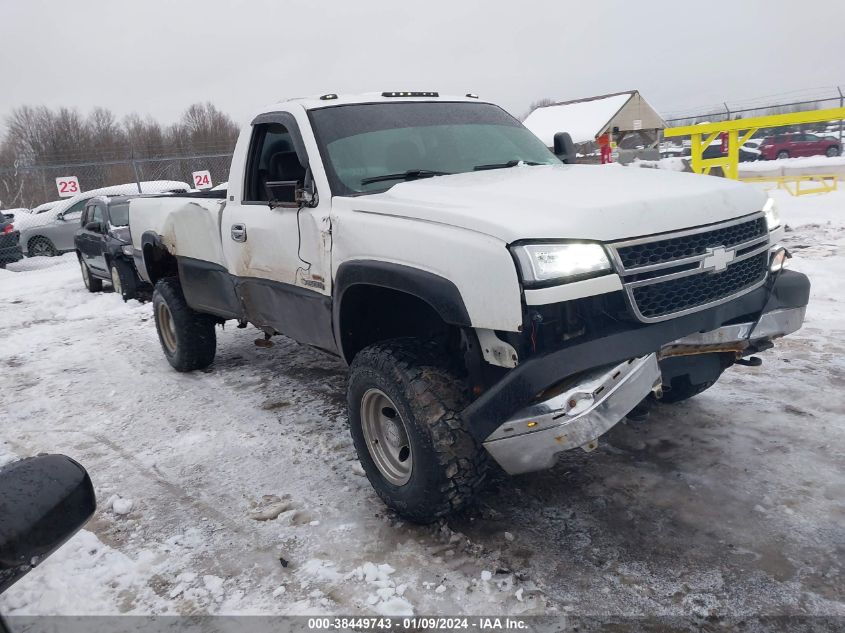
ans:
x=489 y=300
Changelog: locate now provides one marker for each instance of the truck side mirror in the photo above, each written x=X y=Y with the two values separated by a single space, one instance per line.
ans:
x=290 y=193
x=564 y=147
x=94 y=227
x=283 y=193
x=44 y=500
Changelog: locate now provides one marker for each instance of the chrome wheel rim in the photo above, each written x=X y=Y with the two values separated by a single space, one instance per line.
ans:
x=386 y=437
x=115 y=281
x=85 y=278
x=166 y=327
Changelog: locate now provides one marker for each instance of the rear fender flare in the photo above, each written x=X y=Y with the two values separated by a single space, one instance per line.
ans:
x=151 y=240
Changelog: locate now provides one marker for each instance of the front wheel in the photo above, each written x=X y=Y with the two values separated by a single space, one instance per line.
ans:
x=404 y=416
x=187 y=337
x=783 y=154
x=832 y=151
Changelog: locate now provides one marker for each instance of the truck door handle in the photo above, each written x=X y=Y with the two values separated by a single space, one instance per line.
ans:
x=239 y=232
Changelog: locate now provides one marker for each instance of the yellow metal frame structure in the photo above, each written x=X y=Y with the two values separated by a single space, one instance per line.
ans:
x=739 y=131
x=792 y=184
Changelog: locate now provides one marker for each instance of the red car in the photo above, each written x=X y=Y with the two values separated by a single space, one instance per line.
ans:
x=798 y=144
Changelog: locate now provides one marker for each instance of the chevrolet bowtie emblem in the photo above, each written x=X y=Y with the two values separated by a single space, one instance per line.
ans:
x=718 y=259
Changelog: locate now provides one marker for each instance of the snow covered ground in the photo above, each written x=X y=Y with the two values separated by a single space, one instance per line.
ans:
x=237 y=490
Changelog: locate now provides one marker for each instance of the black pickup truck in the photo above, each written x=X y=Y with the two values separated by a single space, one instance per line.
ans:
x=104 y=248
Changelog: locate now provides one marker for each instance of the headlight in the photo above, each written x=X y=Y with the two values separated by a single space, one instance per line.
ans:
x=127 y=250
x=772 y=217
x=541 y=263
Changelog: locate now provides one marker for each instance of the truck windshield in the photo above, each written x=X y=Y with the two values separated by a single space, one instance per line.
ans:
x=371 y=147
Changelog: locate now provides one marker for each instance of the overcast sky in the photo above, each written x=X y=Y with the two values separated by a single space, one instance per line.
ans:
x=157 y=57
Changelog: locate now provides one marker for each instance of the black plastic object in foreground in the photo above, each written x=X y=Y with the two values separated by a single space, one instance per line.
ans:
x=44 y=500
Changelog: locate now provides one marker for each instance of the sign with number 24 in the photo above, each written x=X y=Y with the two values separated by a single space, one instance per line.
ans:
x=202 y=179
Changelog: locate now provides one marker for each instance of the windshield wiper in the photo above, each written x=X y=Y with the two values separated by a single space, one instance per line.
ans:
x=510 y=163
x=411 y=174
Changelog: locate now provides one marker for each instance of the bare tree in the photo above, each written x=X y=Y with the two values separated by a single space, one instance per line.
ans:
x=205 y=128
x=107 y=137
x=145 y=137
x=37 y=138
x=539 y=103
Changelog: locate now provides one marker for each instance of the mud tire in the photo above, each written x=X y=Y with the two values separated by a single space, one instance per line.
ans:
x=449 y=466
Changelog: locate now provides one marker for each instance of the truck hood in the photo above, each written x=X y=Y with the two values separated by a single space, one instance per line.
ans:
x=588 y=202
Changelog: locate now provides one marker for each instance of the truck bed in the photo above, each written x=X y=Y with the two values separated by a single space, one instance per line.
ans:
x=191 y=221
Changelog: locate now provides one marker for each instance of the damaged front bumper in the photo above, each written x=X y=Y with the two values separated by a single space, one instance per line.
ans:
x=524 y=428
x=738 y=337
x=577 y=416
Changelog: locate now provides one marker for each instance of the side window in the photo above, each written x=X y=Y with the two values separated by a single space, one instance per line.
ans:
x=74 y=213
x=97 y=214
x=271 y=158
x=811 y=137
x=85 y=215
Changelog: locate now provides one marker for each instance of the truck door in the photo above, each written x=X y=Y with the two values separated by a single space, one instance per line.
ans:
x=89 y=241
x=277 y=255
x=97 y=241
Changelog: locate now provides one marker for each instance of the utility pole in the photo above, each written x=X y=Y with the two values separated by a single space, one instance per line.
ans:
x=841 y=103
x=134 y=167
x=137 y=179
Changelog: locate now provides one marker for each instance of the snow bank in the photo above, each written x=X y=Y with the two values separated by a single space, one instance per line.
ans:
x=819 y=164
x=674 y=163
x=820 y=208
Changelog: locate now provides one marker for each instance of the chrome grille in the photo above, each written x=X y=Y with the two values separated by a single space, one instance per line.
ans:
x=698 y=290
x=672 y=274
x=690 y=245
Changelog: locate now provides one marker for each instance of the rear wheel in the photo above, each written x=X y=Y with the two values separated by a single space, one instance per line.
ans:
x=41 y=247
x=187 y=337
x=783 y=154
x=832 y=151
x=404 y=415
x=93 y=284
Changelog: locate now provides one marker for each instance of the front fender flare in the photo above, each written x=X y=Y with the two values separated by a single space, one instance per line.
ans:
x=438 y=292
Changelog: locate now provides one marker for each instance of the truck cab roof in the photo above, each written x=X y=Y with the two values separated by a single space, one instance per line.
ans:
x=332 y=99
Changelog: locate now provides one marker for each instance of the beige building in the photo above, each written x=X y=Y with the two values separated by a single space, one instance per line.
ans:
x=630 y=120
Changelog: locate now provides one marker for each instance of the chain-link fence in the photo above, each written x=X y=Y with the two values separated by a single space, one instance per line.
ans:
x=33 y=237
x=29 y=186
x=800 y=101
